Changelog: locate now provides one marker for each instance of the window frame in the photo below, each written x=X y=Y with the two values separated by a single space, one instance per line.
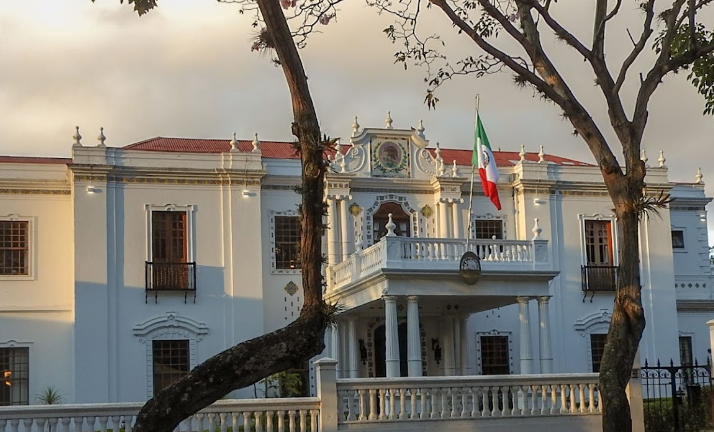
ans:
x=683 y=248
x=186 y=356
x=591 y=350
x=479 y=349
x=583 y=240
x=190 y=229
x=273 y=243
x=475 y=219
x=31 y=247
x=14 y=345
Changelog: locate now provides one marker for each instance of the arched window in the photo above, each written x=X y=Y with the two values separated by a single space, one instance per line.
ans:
x=401 y=219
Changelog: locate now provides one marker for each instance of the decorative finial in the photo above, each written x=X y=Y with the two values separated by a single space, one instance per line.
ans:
x=77 y=137
x=439 y=161
x=522 y=153
x=661 y=159
x=388 y=120
x=699 y=175
x=256 y=144
x=644 y=157
x=234 y=143
x=420 y=129
x=454 y=170
x=536 y=230
x=355 y=127
x=390 y=226
x=101 y=138
x=541 y=155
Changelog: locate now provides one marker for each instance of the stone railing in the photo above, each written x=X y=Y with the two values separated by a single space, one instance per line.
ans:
x=289 y=414
x=393 y=252
x=408 y=399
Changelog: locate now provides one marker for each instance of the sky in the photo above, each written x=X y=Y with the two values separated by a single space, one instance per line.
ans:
x=186 y=70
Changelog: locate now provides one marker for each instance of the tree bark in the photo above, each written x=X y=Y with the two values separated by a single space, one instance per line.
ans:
x=251 y=361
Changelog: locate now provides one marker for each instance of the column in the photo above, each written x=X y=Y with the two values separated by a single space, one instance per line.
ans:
x=546 y=355
x=391 y=337
x=465 y=366
x=525 y=335
x=352 y=349
x=332 y=242
x=458 y=226
x=457 y=346
x=335 y=345
x=443 y=219
x=345 y=227
x=448 y=346
x=413 y=337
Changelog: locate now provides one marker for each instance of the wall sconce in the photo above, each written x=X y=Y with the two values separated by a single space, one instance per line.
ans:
x=437 y=350
x=362 y=352
x=92 y=190
x=538 y=201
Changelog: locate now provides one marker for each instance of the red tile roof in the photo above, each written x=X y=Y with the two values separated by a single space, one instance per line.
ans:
x=34 y=160
x=284 y=150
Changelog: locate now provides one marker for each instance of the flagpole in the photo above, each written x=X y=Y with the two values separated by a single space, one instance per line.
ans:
x=471 y=193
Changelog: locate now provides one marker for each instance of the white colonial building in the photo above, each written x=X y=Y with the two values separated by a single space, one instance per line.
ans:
x=122 y=268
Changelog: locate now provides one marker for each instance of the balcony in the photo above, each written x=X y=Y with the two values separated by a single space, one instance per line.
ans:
x=170 y=276
x=597 y=278
x=434 y=263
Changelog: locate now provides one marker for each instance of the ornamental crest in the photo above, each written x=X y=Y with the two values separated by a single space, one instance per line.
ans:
x=390 y=159
x=291 y=288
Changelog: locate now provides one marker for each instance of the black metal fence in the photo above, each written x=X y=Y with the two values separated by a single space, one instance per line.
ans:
x=597 y=278
x=677 y=398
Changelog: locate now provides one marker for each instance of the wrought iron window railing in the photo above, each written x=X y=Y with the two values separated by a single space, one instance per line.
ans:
x=597 y=278
x=170 y=276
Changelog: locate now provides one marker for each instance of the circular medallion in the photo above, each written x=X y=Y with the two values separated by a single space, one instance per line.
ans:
x=390 y=157
x=470 y=268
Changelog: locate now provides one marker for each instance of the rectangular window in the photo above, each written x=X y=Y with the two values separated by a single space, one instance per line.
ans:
x=287 y=242
x=14 y=372
x=685 y=350
x=169 y=250
x=488 y=229
x=495 y=355
x=171 y=362
x=14 y=248
x=598 y=243
x=678 y=239
x=597 y=348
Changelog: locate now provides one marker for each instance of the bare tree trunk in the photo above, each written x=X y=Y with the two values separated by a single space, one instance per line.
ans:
x=251 y=361
x=628 y=319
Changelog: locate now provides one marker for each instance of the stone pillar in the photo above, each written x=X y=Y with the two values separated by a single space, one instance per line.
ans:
x=465 y=366
x=345 y=227
x=456 y=220
x=326 y=369
x=448 y=346
x=336 y=348
x=443 y=219
x=413 y=337
x=524 y=319
x=391 y=335
x=352 y=349
x=332 y=241
x=546 y=354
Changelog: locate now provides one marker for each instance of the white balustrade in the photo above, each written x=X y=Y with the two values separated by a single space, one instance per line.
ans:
x=451 y=398
x=281 y=415
x=396 y=252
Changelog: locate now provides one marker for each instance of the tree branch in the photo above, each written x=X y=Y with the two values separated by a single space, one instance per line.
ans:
x=639 y=46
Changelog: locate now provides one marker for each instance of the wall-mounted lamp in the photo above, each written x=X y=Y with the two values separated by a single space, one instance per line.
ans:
x=92 y=190
x=702 y=217
x=362 y=352
x=246 y=193
x=437 y=350
x=538 y=201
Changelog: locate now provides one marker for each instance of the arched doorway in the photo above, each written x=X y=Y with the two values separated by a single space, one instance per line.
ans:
x=380 y=351
x=380 y=218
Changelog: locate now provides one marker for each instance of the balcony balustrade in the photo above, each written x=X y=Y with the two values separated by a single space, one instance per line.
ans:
x=597 y=278
x=412 y=253
x=170 y=276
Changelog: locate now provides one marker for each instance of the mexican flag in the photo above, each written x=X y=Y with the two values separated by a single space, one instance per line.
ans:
x=482 y=158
